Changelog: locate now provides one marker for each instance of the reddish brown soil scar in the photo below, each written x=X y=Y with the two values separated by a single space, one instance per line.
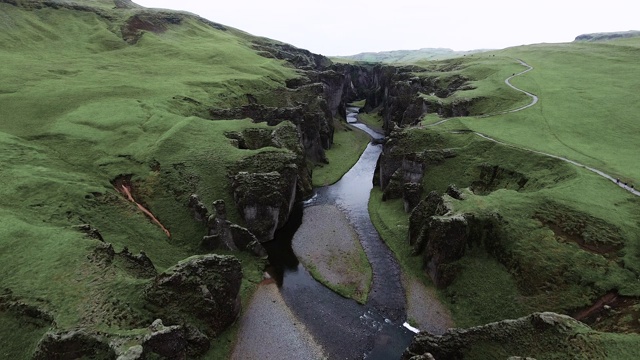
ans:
x=124 y=187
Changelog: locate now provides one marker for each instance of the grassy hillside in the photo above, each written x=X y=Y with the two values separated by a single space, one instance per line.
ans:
x=568 y=236
x=587 y=110
x=406 y=56
x=80 y=106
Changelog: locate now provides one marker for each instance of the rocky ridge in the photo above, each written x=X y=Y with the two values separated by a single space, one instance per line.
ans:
x=539 y=335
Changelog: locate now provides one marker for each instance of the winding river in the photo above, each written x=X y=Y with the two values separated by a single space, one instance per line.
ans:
x=344 y=328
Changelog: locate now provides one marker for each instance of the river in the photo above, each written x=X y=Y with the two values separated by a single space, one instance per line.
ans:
x=344 y=328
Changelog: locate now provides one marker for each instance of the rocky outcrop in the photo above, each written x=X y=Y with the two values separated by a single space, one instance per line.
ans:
x=155 y=22
x=493 y=177
x=454 y=192
x=442 y=237
x=401 y=167
x=156 y=341
x=266 y=185
x=173 y=342
x=202 y=290
x=139 y=266
x=265 y=200
x=432 y=205
x=313 y=121
x=299 y=58
x=136 y=265
x=222 y=233
x=539 y=335
x=90 y=231
x=75 y=344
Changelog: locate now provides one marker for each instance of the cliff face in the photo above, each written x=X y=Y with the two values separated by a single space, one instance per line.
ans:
x=402 y=166
x=442 y=237
x=399 y=93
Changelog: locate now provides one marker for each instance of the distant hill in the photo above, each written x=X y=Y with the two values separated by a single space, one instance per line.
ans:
x=405 y=56
x=607 y=36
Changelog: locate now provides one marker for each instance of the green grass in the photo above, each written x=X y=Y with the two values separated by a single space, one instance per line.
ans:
x=372 y=120
x=78 y=107
x=350 y=291
x=532 y=270
x=348 y=145
x=19 y=344
x=392 y=223
x=486 y=73
x=586 y=112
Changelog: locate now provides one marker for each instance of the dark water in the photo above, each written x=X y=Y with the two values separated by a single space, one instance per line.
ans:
x=346 y=329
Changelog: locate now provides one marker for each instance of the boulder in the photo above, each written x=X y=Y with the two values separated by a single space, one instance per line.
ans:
x=168 y=342
x=454 y=192
x=202 y=290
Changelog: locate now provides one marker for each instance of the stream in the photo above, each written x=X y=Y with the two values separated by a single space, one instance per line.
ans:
x=343 y=327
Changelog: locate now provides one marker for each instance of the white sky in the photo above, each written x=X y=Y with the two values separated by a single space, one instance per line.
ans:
x=347 y=27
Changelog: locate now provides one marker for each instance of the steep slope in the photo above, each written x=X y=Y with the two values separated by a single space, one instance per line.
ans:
x=105 y=103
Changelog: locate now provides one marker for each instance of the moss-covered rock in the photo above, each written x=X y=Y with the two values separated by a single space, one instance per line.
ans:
x=202 y=290
x=75 y=344
x=443 y=237
x=539 y=335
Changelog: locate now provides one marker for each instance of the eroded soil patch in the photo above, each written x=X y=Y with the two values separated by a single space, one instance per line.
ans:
x=124 y=186
x=588 y=232
x=612 y=313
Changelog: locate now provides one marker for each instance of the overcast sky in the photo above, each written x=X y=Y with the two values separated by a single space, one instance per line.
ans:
x=346 y=27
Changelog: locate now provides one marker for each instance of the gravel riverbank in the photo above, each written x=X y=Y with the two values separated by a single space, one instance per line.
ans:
x=268 y=330
x=424 y=309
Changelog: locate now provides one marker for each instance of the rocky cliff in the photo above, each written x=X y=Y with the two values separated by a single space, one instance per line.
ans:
x=402 y=95
x=442 y=236
x=403 y=163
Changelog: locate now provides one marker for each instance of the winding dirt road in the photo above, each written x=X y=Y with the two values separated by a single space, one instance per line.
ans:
x=534 y=100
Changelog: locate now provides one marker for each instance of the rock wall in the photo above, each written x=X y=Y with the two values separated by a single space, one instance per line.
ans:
x=402 y=166
x=399 y=93
x=442 y=237
x=222 y=233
